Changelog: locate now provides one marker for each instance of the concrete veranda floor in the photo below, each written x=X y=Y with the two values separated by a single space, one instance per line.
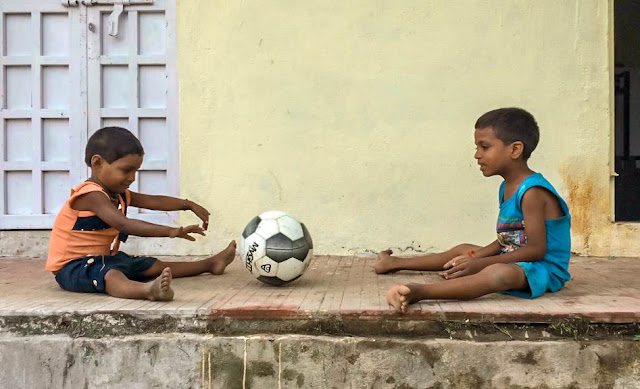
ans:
x=231 y=330
x=603 y=290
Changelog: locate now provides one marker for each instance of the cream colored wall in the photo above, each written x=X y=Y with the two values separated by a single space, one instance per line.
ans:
x=357 y=117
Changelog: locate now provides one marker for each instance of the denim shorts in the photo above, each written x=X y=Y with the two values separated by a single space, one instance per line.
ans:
x=86 y=274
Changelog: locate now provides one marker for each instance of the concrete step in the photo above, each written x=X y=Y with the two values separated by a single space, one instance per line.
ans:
x=292 y=361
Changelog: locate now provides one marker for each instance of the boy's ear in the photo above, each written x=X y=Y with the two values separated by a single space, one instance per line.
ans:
x=96 y=161
x=517 y=148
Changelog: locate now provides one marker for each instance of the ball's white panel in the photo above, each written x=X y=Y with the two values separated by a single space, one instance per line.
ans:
x=254 y=249
x=290 y=227
x=308 y=259
x=290 y=269
x=266 y=267
x=254 y=267
x=267 y=228
x=271 y=215
x=241 y=247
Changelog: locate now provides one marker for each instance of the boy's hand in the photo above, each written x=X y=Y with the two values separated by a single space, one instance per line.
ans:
x=201 y=212
x=183 y=232
x=455 y=261
x=460 y=266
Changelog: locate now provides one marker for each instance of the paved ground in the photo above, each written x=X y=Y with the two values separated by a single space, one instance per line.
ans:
x=602 y=290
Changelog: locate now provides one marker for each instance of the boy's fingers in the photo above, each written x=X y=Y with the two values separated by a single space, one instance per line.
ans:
x=453 y=262
x=458 y=271
x=447 y=275
x=455 y=275
x=194 y=228
x=454 y=269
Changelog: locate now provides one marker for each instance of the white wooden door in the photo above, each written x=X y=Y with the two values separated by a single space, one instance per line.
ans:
x=132 y=84
x=61 y=78
x=43 y=109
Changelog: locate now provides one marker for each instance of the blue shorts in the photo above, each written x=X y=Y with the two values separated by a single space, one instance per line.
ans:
x=86 y=274
x=541 y=277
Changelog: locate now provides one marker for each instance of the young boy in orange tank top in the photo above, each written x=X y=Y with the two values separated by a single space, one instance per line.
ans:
x=80 y=250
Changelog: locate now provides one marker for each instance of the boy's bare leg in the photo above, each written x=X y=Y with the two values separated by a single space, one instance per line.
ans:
x=214 y=265
x=118 y=285
x=494 y=278
x=387 y=263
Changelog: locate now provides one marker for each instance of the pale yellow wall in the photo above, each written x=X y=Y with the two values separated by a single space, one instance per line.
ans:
x=357 y=116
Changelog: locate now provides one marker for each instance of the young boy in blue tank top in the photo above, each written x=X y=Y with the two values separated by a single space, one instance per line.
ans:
x=531 y=253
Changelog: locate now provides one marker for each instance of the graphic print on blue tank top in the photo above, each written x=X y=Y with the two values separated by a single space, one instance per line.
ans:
x=511 y=234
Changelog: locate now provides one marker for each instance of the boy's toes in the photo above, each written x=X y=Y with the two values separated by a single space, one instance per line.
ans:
x=396 y=297
x=404 y=291
x=160 y=288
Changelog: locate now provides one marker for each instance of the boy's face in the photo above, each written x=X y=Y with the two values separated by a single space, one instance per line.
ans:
x=492 y=154
x=120 y=174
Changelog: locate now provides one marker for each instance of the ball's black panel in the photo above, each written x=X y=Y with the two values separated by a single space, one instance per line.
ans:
x=300 y=243
x=293 y=279
x=279 y=255
x=300 y=253
x=251 y=227
x=279 y=247
x=272 y=280
x=279 y=242
x=307 y=236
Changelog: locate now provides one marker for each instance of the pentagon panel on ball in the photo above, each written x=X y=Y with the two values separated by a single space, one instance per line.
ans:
x=276 y=248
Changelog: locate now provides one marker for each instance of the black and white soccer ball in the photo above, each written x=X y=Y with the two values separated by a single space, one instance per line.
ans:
x=276 y=248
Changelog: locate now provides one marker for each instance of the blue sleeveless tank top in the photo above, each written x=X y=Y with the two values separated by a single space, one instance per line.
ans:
x=512 y=235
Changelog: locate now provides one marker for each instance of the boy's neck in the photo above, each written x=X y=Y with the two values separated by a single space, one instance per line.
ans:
x=517 y=174
x=113 y=196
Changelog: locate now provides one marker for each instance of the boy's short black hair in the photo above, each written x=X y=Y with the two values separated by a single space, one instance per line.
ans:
x=511 y=125
x=112 y=143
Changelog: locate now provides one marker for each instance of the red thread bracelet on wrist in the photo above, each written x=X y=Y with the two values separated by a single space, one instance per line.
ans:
x=471 y=253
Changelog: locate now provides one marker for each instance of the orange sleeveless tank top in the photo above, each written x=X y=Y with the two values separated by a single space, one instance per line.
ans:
x=78 y=234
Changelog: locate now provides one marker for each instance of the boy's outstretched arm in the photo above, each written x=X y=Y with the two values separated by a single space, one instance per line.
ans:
x=99 y=204
x=533 y=205
x=168 y=203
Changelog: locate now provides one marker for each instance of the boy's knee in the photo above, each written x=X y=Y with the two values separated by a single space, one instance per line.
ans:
x=502 y=276
x=113 y=273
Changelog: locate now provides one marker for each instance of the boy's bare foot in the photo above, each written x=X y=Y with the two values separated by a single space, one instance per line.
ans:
x=385 y=262
x=399 y=296
x=160 y=288
x=220 y=261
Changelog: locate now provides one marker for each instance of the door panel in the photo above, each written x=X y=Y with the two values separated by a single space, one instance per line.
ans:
x=62 y=76
x=41 y=81
x=136 y=90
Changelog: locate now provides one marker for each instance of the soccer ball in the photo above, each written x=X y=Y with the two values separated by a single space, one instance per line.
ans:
x=276 y=248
